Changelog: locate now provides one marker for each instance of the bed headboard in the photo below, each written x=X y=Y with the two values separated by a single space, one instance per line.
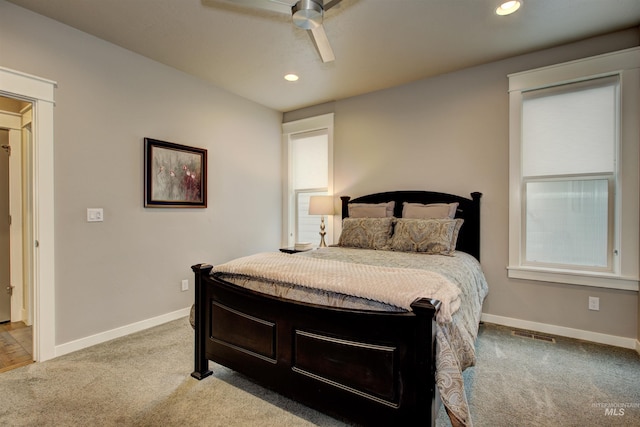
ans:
x=468 y=209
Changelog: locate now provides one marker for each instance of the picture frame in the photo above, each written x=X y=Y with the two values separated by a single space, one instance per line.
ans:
x=175 y=175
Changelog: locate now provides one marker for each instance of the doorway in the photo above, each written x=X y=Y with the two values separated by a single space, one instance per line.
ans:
x=39 y=92
x=16 y=257
x=5 y=227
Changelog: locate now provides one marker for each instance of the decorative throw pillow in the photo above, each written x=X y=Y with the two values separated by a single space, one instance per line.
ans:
x=432 y=210
x=431 y=236
x=456 y=231
x=366 y=233
x=371 y=210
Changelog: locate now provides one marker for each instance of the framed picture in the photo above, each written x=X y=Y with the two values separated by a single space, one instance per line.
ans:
x=175 y=176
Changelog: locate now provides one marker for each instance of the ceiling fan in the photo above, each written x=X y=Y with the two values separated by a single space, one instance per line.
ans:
x=306 y=14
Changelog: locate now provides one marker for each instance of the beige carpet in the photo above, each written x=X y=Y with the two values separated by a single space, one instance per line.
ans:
x=143 y=380
x=528 y=382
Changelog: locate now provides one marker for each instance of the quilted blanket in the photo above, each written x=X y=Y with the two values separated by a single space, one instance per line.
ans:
x=360 y=280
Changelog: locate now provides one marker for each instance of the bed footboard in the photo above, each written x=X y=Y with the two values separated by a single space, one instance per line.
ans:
x=370 y=367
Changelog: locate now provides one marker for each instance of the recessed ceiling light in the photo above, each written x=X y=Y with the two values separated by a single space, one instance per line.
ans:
x=508 y=7
x=291 y=77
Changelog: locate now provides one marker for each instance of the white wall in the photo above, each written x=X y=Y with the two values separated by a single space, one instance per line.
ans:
x=128 y=268
x=450 y=133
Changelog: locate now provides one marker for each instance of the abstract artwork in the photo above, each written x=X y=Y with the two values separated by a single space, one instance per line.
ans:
x=175 y=175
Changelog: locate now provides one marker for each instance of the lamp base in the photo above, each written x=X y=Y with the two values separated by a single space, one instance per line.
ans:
x=322 y=233
x=322 y=242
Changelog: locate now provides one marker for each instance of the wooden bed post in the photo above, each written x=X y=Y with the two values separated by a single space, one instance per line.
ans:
x=345 y=206
x=475 y=196
x=201 y=363
x=426 y=404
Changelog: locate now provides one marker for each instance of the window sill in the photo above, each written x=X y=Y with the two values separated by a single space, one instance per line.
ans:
x=608 y=281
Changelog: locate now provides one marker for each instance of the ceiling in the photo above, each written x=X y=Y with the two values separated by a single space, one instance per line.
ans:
x=377 y=43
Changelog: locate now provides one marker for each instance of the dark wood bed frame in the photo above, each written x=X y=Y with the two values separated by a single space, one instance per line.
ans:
x=368 y=367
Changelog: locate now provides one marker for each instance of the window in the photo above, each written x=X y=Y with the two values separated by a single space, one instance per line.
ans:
x=567 y=223
x=309 y=172
x=310 y=177
x=574 y=191
x=569 y=141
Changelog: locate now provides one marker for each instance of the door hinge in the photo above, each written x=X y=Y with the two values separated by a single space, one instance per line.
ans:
x=7 y=148
x=10 y=290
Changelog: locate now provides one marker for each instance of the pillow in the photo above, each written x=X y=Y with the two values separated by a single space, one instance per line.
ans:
x=366 y=233
x=433 y=210
x=371 y=210
x=431 y=236
x=456 y=231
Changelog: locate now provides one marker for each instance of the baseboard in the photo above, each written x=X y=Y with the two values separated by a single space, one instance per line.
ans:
x=89 y=341
x=562 y=331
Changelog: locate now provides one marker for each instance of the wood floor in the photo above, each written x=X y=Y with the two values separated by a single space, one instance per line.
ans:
x=16 y=341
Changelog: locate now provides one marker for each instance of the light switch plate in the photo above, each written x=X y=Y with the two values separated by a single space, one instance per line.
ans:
x=95 y=215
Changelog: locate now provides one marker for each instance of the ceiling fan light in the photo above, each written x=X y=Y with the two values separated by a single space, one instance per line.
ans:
x=307 y=14
x=508 y=7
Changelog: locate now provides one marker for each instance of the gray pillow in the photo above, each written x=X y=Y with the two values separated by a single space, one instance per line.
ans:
x=366 y=233
x=431 y=236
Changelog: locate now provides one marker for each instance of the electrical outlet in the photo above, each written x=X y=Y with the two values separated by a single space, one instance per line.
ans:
x=594 y=303
x=185 y=285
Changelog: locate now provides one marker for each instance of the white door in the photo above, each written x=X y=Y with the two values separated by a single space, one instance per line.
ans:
x=5 y=271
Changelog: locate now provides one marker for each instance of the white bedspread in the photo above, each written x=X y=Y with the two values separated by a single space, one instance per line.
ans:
x=395 y=286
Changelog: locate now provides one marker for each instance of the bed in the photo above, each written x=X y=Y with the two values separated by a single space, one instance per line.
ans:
x=371 y=360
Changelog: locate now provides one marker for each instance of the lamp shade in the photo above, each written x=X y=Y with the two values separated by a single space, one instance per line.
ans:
x=321 y=205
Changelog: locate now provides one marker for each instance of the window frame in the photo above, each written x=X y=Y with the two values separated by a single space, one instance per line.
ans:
x=624 y=271
x=289 y=203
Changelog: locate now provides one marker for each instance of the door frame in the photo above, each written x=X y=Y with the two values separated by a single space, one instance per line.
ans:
x=12 y=122
x=40 y=92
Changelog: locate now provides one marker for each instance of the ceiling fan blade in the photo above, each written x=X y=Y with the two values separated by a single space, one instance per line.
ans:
x=280 y=6
x=329 y=4
x=306 y=14
x=322 y=43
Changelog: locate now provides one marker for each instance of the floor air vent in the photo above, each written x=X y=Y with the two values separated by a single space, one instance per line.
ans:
x=533 y=336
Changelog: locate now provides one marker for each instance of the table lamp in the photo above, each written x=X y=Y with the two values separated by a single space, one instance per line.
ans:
x=321 y=205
